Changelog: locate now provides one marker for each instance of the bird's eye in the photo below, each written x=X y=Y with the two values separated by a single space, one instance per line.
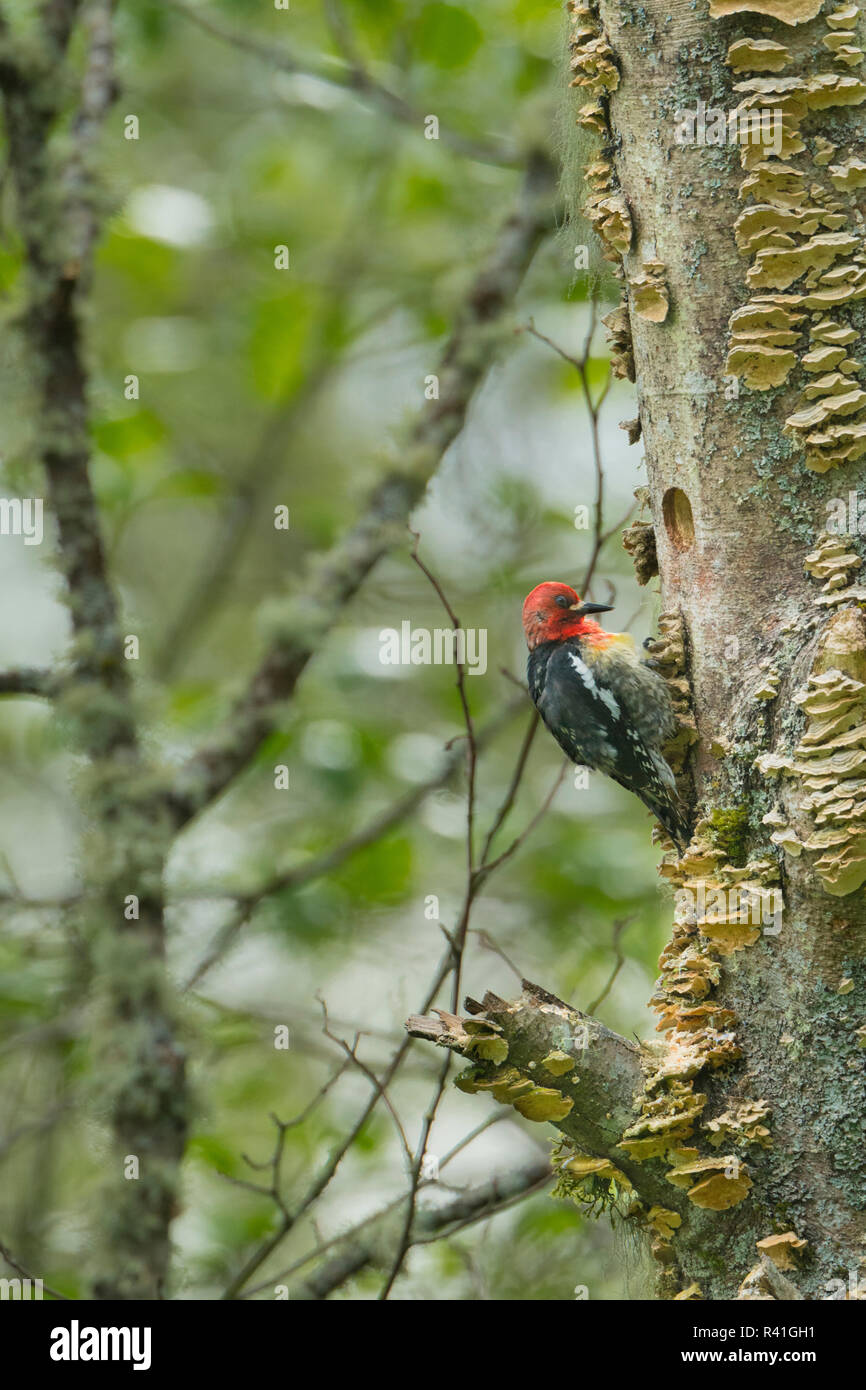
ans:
x=562 y=601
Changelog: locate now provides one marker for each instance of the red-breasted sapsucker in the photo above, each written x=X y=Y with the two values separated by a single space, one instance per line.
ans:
x=604 y=706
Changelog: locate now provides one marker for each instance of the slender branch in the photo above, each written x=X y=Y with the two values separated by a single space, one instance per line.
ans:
x=367 y=1245
x=25 y=1274
x=458 y=941
x=352 y=1057
x=322 y=1247
x=602 y=1085
x=471 y=741
x=405 y=1240
x=332 y=1163
x=516 y=779
x=331 y=859
x=476 y=875
x=59 y=217
x=58 y=20
x=520 y=839
x=618 y=928
x=447 y=967
x=581 y=366
x=28 y=680
x=58 y=231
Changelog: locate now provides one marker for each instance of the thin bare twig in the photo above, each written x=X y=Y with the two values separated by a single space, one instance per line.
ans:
x=354 y=1060
x=476 y=875
x=25 y=1274
x=457 y=941
x=516 y=778
x=331 y=859
x=619 y=927
x=581 y=366
x=486 y=940
x=332 y=1164
x=28 y=680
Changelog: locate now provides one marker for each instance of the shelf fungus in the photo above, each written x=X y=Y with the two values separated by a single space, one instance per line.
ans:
x=828 y=766
x=668 y=655
x=543 y=1104
x=788 y=11
x=639 y=540
x=715 y=1184
x=583 y=1166
x=834 y=564
x=591 y=116
x=801 y=236
x=619 y=343
x=720 y=908
x=780 y=185
x=608 y=213
x=850 y=174
x=664 y=1122
x=757 y=55
x=843 y=45
x=824 y=150
x=743 y=1124
x=592 y=58
x=768 y=688
x=762 y=338
x=649 y=292
x=782 y=1249
x=779 y=267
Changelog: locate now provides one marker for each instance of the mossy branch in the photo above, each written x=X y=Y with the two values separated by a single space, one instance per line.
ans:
x=553 y=1064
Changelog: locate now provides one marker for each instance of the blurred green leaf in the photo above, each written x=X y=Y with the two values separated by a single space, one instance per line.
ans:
x=446 y=35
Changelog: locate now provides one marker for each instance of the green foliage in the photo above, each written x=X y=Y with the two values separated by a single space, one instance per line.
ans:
x=446 y=35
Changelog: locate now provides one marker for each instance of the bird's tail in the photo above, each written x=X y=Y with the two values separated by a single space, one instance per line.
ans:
x=668 y=807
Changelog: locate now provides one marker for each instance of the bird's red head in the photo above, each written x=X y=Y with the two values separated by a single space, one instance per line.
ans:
x=553 y=612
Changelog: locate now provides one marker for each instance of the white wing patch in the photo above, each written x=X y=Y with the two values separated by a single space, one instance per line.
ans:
x=592 y=685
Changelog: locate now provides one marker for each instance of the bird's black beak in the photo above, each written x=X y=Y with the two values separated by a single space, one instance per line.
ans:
x=581 y=609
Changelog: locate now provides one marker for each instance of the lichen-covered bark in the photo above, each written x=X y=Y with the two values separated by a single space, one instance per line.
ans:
x=743 y=272
x=759 y=247
x=732 y=546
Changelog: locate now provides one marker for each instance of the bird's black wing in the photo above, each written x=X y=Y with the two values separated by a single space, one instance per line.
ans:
x=590 y=725
x=584 y=717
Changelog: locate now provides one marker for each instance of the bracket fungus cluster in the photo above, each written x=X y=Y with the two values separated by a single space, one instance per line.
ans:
x=719 y=905
x=594 y=65
x=649 y=291
x=594 y=68
x=720 y=909
x=668 y=655
x=828 y=766
x=766 y=1280
x=639 y=540
x=835 y=564
x=801 y=228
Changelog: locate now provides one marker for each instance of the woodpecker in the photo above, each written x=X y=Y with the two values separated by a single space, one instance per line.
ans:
x=604 y=706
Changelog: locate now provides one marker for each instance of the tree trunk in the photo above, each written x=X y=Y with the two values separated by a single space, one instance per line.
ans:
x=743 y=266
